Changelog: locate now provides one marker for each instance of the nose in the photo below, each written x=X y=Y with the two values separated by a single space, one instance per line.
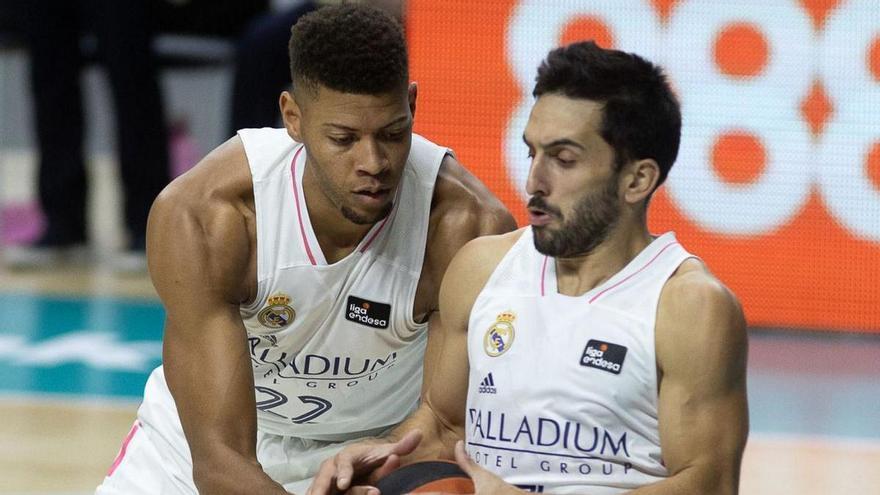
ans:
x=537 y=180
x=372 y=158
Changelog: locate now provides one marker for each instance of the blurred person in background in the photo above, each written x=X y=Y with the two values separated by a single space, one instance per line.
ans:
x=261 y=68
x=124 y=32
x=53 y=30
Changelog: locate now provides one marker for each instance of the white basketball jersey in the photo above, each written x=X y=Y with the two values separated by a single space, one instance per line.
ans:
x=335 y=350
x=563 y=390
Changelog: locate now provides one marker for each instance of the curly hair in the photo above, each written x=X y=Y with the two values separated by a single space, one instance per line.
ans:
x=641 y=116
x=351 y=48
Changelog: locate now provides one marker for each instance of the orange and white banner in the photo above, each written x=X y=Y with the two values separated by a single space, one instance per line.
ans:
x=777 y=185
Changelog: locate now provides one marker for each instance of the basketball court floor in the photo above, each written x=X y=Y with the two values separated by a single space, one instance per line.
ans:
x=77 y=344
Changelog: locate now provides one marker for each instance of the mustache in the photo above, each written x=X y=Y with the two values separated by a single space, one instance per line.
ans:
x=541 y=204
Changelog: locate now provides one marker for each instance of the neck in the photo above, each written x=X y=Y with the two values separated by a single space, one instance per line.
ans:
x=337 y=235
x=576 y=275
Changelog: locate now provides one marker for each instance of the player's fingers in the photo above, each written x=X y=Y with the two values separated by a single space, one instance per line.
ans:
x=408 y=443
x=344 y=470
x=322 y=484
x=363 y=490
x=463 y=460
x=390 y=464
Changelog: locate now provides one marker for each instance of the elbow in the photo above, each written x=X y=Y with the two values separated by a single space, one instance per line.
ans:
x=719 y=482
x=703 y=480
x=208 y=479
x=728 y=485
x=216 y=474
x=208 y=476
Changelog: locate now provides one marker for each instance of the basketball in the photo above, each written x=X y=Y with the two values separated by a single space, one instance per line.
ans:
x=427 y=476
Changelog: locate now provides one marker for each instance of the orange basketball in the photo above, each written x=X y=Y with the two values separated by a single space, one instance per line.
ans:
x=427 y=476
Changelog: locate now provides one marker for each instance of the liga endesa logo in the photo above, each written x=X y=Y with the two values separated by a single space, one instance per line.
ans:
x=369 y=313
x=777 y=185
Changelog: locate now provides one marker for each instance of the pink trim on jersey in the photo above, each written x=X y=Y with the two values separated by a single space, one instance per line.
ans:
x=375 y=234
x=633 y=274
x=121 y=454
x=302 y=229
x=386 y=220
x=543 y=271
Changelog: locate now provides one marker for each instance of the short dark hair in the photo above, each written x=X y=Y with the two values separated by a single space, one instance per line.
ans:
x=351 y=48
x=641 y=117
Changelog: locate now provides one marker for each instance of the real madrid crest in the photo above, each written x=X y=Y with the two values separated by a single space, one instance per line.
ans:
x=278 y=313
x=499 y=337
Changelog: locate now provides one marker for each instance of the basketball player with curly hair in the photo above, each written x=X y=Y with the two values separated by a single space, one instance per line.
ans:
x=300 y=271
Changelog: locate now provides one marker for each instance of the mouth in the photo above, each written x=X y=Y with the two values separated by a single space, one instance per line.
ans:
x=373 y=195
x=539 y=217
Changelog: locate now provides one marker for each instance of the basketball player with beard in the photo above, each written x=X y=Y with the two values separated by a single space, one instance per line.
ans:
x=300 y=271
x=582 y=354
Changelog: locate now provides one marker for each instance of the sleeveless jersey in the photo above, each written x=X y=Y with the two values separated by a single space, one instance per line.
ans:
x=563 y=390
x=334 y=347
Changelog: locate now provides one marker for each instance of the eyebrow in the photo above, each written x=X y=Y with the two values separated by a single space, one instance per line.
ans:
x=557 y=142
x=396 y=121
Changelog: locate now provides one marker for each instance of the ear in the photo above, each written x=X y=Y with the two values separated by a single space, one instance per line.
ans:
x=640 y=181
x=291 y=114
x=413 y=92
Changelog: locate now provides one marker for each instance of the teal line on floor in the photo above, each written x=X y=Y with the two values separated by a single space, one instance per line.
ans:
x=106 y=347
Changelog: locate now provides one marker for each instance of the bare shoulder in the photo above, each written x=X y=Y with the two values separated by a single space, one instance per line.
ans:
x=223 y=174
x=463 y=207
x=471 y=268
x=477 y=259
x=204 y=219
x=217 y=187
x=693 y=287
x=698 y=316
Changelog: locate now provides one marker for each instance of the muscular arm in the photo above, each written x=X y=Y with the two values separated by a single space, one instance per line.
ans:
x=199 y=252
x=463 y=210
x=701 y=352
x=440 y=417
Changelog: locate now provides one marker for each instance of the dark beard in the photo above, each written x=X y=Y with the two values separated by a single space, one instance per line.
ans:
x=353 y=217
x=593 y=218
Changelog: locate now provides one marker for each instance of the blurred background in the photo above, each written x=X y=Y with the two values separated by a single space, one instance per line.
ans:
x=777 y=187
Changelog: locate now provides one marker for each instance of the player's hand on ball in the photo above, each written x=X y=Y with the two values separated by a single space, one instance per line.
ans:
x=362 y=463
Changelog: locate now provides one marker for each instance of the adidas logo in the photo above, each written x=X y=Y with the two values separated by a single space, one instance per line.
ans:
x=487 y=386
